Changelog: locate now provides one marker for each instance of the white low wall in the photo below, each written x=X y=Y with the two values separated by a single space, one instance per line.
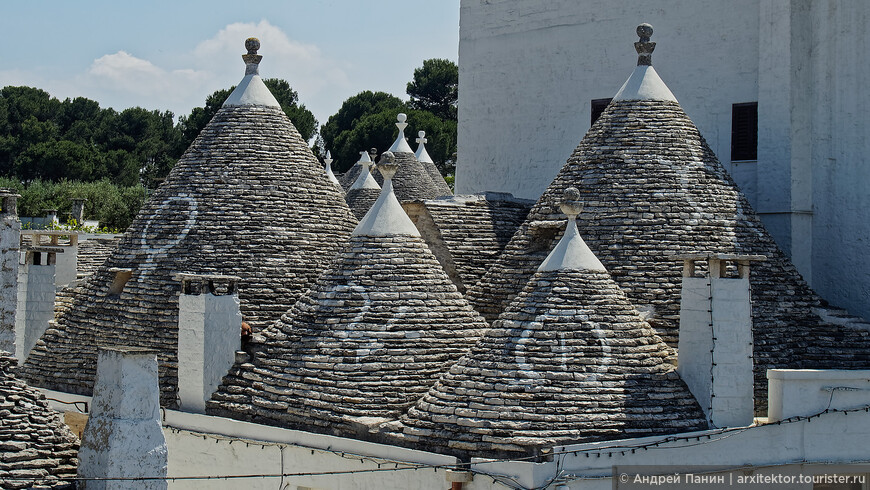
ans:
x=802 y=392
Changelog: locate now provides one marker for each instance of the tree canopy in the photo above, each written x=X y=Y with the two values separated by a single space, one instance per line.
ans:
x=367 y=119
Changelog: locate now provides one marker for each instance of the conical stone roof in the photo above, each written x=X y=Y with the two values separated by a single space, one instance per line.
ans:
x=425 y=160
x=365 y=190
x=371 y=337
x=249 y=199
x=569 y=361
x=412 y=181
x=653 y=188
x=37 y=450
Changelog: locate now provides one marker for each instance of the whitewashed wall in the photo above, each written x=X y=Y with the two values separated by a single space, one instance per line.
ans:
x=529 y=69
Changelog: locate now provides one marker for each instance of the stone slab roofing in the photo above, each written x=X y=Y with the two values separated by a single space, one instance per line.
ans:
x=247 y=199
x=93 y=251
x=425 y=160
x=468 y=233
x=371 y=337
x=37 y=450
x=570 y=361
x=653 y=189
x=412 y=182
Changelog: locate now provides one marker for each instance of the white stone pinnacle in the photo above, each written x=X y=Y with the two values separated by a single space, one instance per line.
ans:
x=364 y=180
x=422 y=155
x=571 y=253
x=328 y=168
x=251 y=90
x=400 y=145
x=386 y=216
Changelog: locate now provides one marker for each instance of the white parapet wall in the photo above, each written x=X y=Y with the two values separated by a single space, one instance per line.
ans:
x=802 y=392
x=209 y=334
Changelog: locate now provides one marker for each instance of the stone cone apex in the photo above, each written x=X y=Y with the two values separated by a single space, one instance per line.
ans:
x=365 y=190
x=26 y=414
x=426 y=161
x=665 y=193
x=327 y=164
x=572 y=340
x=412 y=181
x=371 y=337
x=571 y=253
x=386 y=216
x=231 y=206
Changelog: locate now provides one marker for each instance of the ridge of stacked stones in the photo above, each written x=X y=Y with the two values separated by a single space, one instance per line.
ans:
x=569 y=361
x=654 y=188
x=469 y=233
x=249 y=199
x=371 y=337
x=37 y=450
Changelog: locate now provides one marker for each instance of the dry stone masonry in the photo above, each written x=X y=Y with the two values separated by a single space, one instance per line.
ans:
x=37 y=450
x=425 y=160
x=468 y=233
x=371 y=337
x=248 y=198
x=412 y=181
x=569 y=361
x=653 y=189
x=365 y=190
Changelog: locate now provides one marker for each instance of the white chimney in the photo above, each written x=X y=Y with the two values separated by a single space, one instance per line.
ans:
x=36 y=295
x=209 y=334
x=715 y=348
x=10 y=237
x=123 y=438
x=66 y=267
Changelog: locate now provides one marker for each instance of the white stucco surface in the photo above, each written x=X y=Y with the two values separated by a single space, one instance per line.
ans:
x=571 y=253
x=644 y=84
x=209 y=330
x=251 y=91
x=36 y=295
x=801 y=392
x=715 y=348
x=123 y=437
x=386 y=217
x=528 y=71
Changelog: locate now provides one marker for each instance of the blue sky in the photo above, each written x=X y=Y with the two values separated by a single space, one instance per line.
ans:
x=170 y=55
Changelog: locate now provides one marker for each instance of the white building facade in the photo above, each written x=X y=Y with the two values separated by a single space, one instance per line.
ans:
x=529 y=72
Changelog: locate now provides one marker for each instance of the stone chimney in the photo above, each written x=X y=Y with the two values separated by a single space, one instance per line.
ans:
x=36 y=295
x=715 y=347
x=10 y=237
x=124 y=437
x=209 y=334
x=50 y=217
x=78 y=210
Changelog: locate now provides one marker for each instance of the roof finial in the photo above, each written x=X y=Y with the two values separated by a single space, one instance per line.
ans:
x=400 y=145
x=571 y=206
x=364 y=157
x=422 y=155
x=252 y=59
x=644 y=47
x=387 y=166
x=571 y=253
x=373 y=154
x=422 y=137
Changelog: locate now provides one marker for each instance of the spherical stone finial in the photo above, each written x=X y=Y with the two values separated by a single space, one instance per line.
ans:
x=252 y=44
x=387 y=166
x=402 y=117
x=421 y=134
x=644 y=32
x=571 y=205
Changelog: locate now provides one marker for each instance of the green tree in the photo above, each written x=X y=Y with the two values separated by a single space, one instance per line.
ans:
x=361 y=124
x=301 y=117
x=435 y=88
